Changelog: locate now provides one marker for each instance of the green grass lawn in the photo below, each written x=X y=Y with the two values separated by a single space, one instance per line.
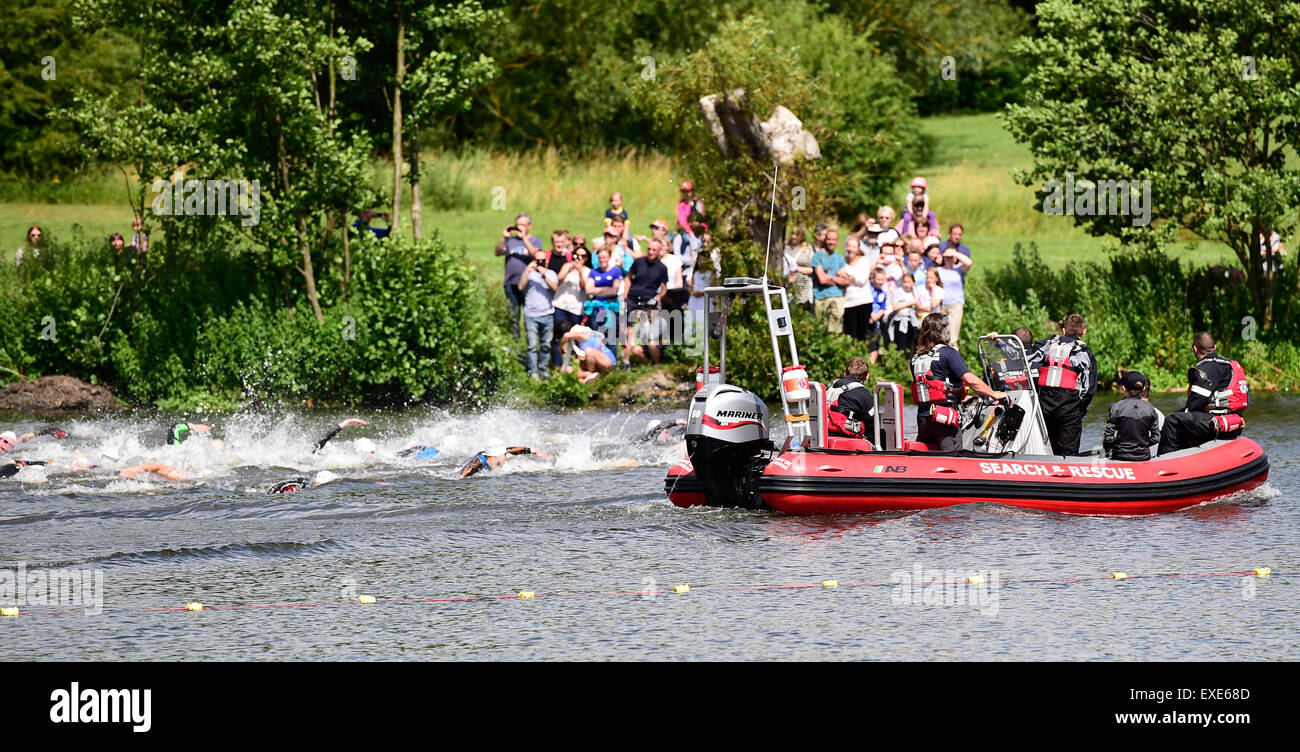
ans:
x=969 y=177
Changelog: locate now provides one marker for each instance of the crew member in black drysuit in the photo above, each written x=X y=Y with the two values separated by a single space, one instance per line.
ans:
x=1067 y=380
x=1133 y=426
x=940 y=379
x=1217 y=395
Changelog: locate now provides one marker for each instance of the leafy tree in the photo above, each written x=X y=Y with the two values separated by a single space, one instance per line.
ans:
x=444 y=68
x=858 y=114
x=920 y=34
x=234 y=93
x=746 y=66
x=1199 y=97
x=44 y=59
x=568 y=65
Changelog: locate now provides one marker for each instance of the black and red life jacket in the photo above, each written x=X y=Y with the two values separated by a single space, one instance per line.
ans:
x=1056 y=369
x=1232 y=397
x=928 y=387
x=843 y=420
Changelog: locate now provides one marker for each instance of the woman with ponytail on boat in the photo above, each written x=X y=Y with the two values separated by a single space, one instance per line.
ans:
x=939 y=382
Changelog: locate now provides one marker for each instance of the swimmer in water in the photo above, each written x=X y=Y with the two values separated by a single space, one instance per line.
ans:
x=166 y=471
x=9 y=439
x=286 y=486
x=179 y=432
x=496 y=457
x=665 y=431
x=10 y=469
x=335 y=432
x=419 y=452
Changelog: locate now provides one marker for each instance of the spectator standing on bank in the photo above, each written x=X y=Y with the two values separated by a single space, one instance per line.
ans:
x=623 y=248
x=955 y=231
x=570 y=295
x=518 y=245
x=931 y=299
x=828 y=294
x=538 y=285
x=604 y=289
x=953 y=276
x=904 y=321
x=687 y=245
x=616 y=210
x=31 y=246
x=798 y=268
x=559 y=254
x=856 y=280
x=918 y=222
x=139 y=243
x=645 y=287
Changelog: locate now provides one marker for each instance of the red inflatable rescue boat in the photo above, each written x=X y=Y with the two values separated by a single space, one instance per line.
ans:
x=1005 y=456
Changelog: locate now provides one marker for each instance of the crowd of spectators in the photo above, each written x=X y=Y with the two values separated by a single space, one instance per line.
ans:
x=588 y=309
x=891 y=273
x=602 y=307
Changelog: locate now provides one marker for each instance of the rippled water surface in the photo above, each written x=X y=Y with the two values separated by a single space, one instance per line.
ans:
x=587 y=531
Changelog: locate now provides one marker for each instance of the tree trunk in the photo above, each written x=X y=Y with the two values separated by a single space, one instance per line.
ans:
x=415 y=183
x=306 y=270
x=399 y=77
x=347 y=259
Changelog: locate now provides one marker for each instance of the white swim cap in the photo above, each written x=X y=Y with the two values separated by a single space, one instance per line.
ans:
x=325 y=476
x=495 y=451
x=365 y=445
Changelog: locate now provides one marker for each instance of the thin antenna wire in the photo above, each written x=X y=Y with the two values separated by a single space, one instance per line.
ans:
x=771 y=214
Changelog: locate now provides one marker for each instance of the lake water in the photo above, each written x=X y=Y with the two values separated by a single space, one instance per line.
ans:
x=589 y=531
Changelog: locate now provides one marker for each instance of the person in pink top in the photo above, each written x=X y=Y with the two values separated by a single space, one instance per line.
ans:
x=690 y=209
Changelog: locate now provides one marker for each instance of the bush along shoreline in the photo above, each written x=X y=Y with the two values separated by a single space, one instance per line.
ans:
x=416 y=324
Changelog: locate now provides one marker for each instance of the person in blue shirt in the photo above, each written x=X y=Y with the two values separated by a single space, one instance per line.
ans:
x=517 y=244
x=604 y=287
x=955 y=231
x=828 y=294
x=366 y=217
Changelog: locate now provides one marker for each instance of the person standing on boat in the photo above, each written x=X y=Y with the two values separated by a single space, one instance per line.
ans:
x=851 y=403
x=1217 y=395
x=1133 y=426
x=939 y=382
x=1067 y=379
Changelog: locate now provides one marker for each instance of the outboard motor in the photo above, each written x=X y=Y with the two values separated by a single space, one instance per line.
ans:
x=726 y=438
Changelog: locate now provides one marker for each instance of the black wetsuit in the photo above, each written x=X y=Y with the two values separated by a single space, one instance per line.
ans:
x=326 y=438
x=1131 y=430
x=10 y=469
x=1194 y=425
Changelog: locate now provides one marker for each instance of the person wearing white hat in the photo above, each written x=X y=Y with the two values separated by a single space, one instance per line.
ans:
x=494 y=457
x=9 y=439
